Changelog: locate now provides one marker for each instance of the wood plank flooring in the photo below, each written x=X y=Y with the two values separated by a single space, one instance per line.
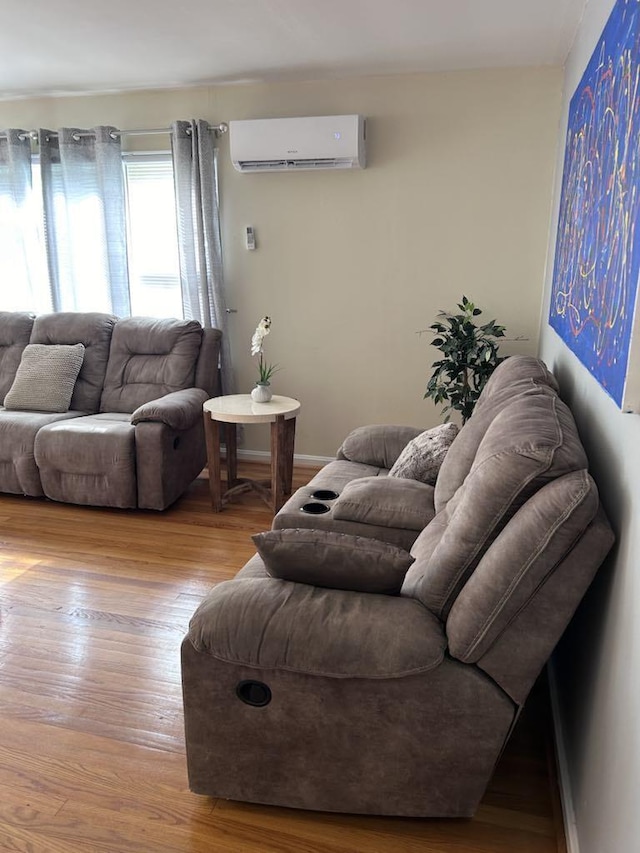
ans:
x=93 y=606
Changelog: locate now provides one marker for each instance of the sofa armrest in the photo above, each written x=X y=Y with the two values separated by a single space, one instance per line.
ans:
x=377 y=444
x=386 y=502
x=276 y=624
x=179 y=409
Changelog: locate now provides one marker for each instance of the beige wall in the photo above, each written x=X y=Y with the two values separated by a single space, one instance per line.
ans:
x=351 y=265
x=597 y=663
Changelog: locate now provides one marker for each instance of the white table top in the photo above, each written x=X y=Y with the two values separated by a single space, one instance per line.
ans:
x=241 y=409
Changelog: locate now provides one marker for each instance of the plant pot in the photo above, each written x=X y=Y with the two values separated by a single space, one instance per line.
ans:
x=261 y=393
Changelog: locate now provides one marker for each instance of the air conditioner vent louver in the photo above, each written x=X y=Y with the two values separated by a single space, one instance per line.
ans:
x=280 y=165
x=323 y=142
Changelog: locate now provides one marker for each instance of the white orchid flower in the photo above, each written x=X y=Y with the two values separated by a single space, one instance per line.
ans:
x=265 y=371
x=262 y=330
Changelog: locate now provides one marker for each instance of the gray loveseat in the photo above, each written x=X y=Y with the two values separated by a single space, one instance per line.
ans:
x=133 y=434
x=325 y=698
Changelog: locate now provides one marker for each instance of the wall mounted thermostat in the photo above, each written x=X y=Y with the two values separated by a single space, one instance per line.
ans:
x=251 y=238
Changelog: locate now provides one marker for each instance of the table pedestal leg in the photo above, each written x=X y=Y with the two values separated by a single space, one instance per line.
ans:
x=289 y=442
x=212 y=437
x=282 y=442
x=232 y=454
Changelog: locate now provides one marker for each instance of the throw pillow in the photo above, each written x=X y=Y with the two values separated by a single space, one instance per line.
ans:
x=337 y=560
x=422 y=457
x=45 y=378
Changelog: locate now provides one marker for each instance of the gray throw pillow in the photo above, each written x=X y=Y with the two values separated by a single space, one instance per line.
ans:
x=337 y=560
x=422 y=457
x=45 y=378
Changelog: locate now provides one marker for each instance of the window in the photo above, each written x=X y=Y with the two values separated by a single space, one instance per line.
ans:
x=154 y=273
x=152 y=250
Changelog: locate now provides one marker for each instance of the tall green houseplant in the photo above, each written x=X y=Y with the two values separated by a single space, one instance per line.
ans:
x=469 y=357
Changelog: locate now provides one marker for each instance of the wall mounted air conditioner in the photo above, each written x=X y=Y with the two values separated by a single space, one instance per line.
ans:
x=319 y=142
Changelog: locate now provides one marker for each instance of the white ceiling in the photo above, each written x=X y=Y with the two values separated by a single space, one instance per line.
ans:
x=53 y=47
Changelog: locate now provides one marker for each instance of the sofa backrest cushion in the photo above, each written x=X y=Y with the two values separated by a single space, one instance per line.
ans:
x=519 y=374
x=94 y=331
x=148 y=359
x=529 y=443
x=529 y=548
x=514 y=369
x=15 y=332
x=457 y=463
x=517 y=655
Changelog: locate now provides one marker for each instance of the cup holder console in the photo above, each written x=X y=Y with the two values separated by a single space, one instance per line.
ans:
x=324 y=495
x=314 y=508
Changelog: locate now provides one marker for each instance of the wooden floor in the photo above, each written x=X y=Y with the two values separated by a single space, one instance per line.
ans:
x=93 y=606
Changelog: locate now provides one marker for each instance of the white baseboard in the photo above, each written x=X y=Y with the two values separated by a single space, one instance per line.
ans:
x=564 y=781
x=298 y=459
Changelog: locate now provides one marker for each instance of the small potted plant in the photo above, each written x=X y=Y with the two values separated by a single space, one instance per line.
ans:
x=262 y=391
x=470 y=355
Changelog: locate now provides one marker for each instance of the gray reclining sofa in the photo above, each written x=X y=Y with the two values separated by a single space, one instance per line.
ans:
x=132 y=435
x=317 y=697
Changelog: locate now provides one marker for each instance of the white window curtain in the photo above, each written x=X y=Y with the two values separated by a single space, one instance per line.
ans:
x=199 y=245
x=85 y=220
x=23 y=270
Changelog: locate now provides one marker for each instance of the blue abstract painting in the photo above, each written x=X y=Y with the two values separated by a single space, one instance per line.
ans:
x=597 y=260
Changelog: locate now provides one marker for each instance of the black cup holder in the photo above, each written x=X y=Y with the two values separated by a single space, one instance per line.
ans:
x=325 y=495
x=314 y=508
x=254 y=693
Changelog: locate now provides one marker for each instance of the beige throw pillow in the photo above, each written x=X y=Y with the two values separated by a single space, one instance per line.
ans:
x=45 y=378
x=337 y=560
x=422 y=457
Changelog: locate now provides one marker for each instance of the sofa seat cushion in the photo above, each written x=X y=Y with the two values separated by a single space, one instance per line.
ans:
x=15 y=331
x=335 y=560
x=19 y=473
x=45 y=378
x=276 y=624
x=529 y=443
x=90 y=460
x=334 y=477
x=148 y=359
x=386 y=502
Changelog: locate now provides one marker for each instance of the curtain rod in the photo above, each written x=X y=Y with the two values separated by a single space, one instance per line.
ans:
x=218 y=129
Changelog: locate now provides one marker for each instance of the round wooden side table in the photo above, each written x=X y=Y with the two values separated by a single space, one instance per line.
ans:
x=234 y=409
